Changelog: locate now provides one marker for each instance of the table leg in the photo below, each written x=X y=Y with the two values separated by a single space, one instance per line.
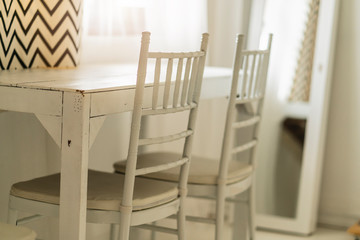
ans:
x=74 y=166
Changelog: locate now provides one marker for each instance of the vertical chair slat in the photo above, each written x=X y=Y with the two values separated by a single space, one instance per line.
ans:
x=186 y=82
x=156 y=83
x=264 y=70
x=257 y=81
x=245 y=76
x=266 y=64
x=168 y=83
x=177 y=83
x=192 y=80
x=251 y=80
x=263 y=73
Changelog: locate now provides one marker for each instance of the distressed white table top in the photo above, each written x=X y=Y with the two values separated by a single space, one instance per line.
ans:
x=86 y=79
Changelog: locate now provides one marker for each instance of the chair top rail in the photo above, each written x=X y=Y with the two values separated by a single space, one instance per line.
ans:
x=163 y=139
x=161 y=167
x=176 y=54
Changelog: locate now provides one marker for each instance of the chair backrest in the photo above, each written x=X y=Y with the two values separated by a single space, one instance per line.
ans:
x=168 y=96
x=247 y=90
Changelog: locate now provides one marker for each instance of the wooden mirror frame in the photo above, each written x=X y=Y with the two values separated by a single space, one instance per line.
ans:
x=310 y=180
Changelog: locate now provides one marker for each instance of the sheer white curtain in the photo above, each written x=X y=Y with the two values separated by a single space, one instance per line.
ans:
x=113 y=17
x=112 y=28
x=227 y=18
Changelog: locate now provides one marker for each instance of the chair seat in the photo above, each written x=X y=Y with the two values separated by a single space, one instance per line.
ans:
x=105 y=191
x=12 y=232
x=202 y=170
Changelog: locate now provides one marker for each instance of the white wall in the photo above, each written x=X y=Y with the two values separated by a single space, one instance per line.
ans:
x=340 y=195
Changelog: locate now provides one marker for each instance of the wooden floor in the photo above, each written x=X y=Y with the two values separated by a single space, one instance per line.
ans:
x=207 y=234
x=321 y=234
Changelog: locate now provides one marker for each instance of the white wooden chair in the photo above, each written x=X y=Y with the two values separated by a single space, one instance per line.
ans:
x=11 y=232
x=225 y=178
x=129 y=200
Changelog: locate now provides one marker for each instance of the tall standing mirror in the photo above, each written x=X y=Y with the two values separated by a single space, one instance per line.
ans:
x=293 y=129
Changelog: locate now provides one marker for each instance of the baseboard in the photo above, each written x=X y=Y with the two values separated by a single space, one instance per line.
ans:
x=337 y=220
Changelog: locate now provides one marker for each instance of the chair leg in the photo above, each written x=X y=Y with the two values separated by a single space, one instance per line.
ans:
x=114 y=230
x=181 y=222
x=251 y=214
x=124 y=230
x=240 y=225
x=12 y=216
x=153 y=233
x=220 y=214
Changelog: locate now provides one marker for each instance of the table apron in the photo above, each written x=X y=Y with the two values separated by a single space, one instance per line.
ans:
x=112 y=102
x=31 y=101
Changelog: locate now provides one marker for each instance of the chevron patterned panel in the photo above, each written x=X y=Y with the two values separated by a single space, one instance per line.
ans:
x=40 y=33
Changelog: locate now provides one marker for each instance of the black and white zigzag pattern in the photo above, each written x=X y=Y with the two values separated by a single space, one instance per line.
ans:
x=39 y=33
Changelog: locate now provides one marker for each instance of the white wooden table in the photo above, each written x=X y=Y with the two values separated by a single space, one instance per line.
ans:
x=72 y=105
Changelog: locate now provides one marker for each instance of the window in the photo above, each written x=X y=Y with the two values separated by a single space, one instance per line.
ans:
x=112 y=28
x=114 y=17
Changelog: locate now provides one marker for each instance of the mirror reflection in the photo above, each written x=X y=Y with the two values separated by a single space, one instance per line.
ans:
x=280 y=152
